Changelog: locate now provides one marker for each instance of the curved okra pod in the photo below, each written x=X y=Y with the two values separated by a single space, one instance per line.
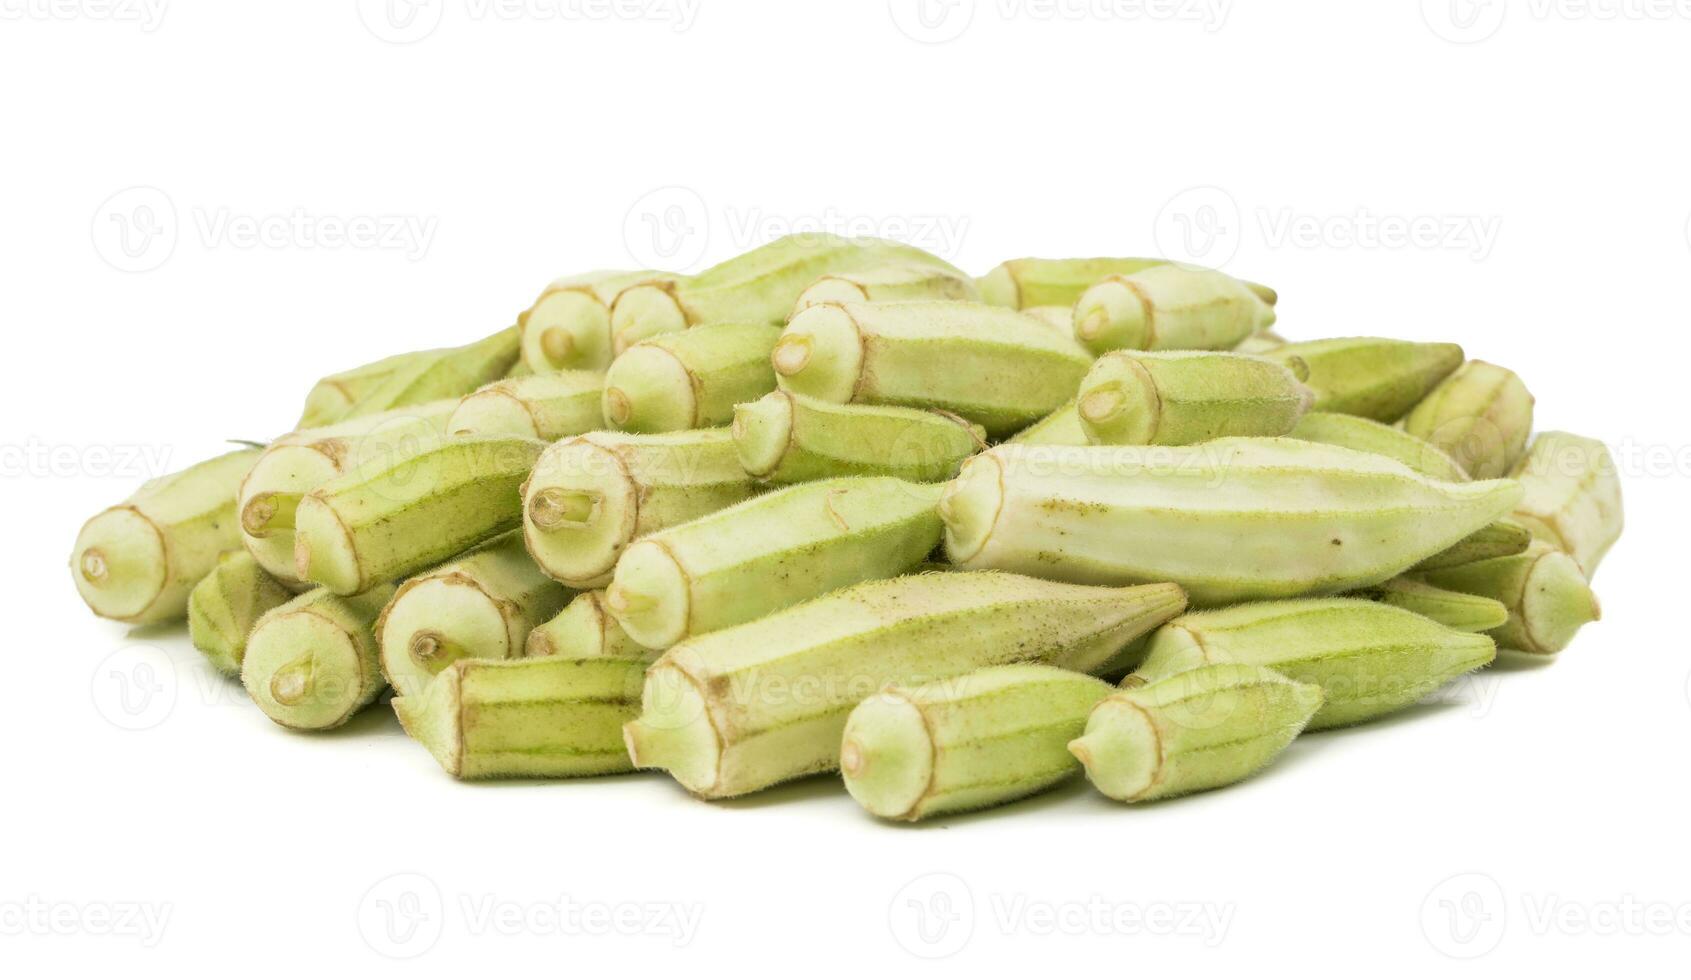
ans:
x=569 y=326
x=690 y=380
x=1481 y=416
x=1177 y=398
x=785 y=437
x=1169 y=307
x=138 y=561
x=224 y=606
x=888 y=284
x=747 y=707
x=584 y=629
x=1572 y=498
x=1368 y=436
x=548 y=407
x=1201 y=729
x=450 y=373
x=366 y=528
x=1373 y=377
x=311 y=663
x=1457 y=610
x=588 y=497
x=967 y=742
x=1547 y=596
x=1370 y=659
x=768 y=553
x=1230 y=520
x=998 y=368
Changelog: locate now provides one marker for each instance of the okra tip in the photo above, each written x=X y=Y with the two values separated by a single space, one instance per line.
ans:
x=820 y=354
x=970 y=507
x=120 y=564
x=324 y=551
x=887 y=756
x=648 y=389
x=578 y=515
x=1120 y=404
x=762 y=432
x=1121 y=750
x=304 y=671
x=674 y=731
x=649 y=595
x=1113 y=315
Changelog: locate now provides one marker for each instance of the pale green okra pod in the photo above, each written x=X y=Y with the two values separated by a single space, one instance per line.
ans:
x=1061 y=428
x=450 y=373
x=569 y=325
x=1572 y=496
x=224 y=606
x=1368 y=436
x=548 y=407
x=311 y=663
x=1547 y=596
x=1499 y=539
x=888 y=284
x=1022 y=284
x=1169 y=307
x=1373 y=377
x=331 y=398
x=690 y=380
x=785 y=437
x=1177 y=398
x=1481 y=415
x=584 y=629
x=1457 y=610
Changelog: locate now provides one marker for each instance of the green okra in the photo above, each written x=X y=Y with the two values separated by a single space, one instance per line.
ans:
x=690 y=380
x=1259 y=343
x=968 y=742
x=548 y=407
x=1176 y=398
x=138 y=561
x=1201 y=729
x=785 y=437
x=888 y=284
x=588 y=497
x=1368 y=658
x=585 y=628
x=1058 y=318
x=995 y=367
x=224 y=606
x=1481 y=415
x=1368 y=436
x=747 y=707
x=311 y=663
x=450 y=373
x=302 y=461
x=1061 y=428
x=762 y=284
x=770 y=552
x=1547 y=596
x=1169 y=307
x=1499 y=539
x=569 y=326
x=1373 y=377
x=1230 y=520
x=388 y=522
x=1572 y=496
x=479 y=607
x=1022 y=284
x=332 y=398
x=1457 y=610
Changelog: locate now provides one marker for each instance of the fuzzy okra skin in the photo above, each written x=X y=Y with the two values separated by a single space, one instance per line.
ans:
x=588 y=497
x=331 y=398
x=1368 y=436
x=888 y=284
x=1572 y=496
x=548 y=407
x=689 y=380
x=744 y=708
x=1481 y=415
x=1202 y=729
x=388 y=522
x=311 y=663
x=1457 y=610
x=1230 y=520
x=771 y=552
x=137 y=562
x=1169 y=307
x=1260 y=343
x=1499 y=539
x=966 y=743
x=479 y=607
x=1373 y=377
x=785 y=437
x=569 y=326
x=585 y=628
x=1547 y=596
x=995 y=367
x=450 y=373
x=1177 y=398
x=1369 y=658
x=224 y=606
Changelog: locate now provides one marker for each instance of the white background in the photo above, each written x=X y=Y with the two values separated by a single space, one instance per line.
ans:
x=1538 y=152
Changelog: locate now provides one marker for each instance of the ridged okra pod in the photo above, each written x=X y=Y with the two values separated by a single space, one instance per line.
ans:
x=138 y=561
x=770 y=552
x=1169 y=307
x=1369 y=659
x=1572 y=496
x=450 y=373
x=762 y=284
x=331 y=398
x=548 y=407
x=967 y=742
x=479 y=607
x=1176 y=398
x=360 y=530
x=785 y=437
x=995 y=367
x=1202 y=729
x=690 y=380
x=1457 y=610
x=1373 y=377
x=569 y=326
x=224 y=606
x=1061 y=428
x=1230 y=520
x=585 y=628
x=1499 y=539
x=1368 y=436
x=302 y=461
x=312 y=662
x=1259 y=343
x=888 y=284
x=1547 y=596
x=1481 y=416
x=744 y=708
x=588 y=497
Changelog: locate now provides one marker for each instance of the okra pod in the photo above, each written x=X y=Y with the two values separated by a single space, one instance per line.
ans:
x=1457 y=610
x=785 y=437
x=1022 y=284
x=1481 y=415
x=690 y=380
x=1499 y=539
x=224 y=606
x=1061 y=428
x=888 y=284
x=548 y=407
x=1169 y=307
x=331 y=398
x=1572 y=498
x=1373 y=377
x=450 y=373
x=1176 y=398
x=584 y=629
x=569 y=326
x=1547 y=596
x=1368 y=436
x=311 y=663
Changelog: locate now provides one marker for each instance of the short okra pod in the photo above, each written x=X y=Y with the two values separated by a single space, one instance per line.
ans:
x=584 y=628
x=548 y=407
x=1169 y=307
x=689 y=380
x=312 y=663
x=1373 y=377
x=785 y=437
x=1177 y=398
